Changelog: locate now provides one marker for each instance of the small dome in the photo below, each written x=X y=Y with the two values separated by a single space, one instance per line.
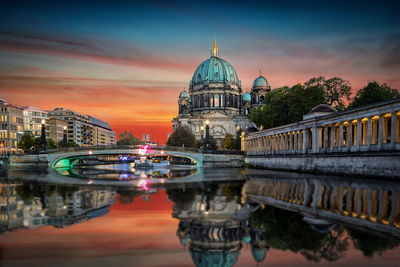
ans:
x=246 y=97
x=259 y=254
x=323 y=108
x=184 y=94
x=246 y=239
x=260 y=82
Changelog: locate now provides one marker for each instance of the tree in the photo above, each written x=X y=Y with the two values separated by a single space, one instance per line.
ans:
x=27 y=142
x=229 y=142
x=373 y=93
x=127 y=138
x=69 y=144
x=182 y=136
x=287 y=105
x=336 y=90
x=287 y=230
x=128 y=196
x=371 y=245
x=51 y=144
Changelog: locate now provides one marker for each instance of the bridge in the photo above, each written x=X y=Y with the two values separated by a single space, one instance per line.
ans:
x=360 y=141
x=66 y=158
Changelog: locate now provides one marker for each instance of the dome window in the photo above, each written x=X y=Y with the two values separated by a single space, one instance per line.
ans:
x=199 y=77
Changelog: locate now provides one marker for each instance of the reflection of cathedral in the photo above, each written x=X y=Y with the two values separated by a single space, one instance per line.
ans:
x=214 y=224
x=215 y=95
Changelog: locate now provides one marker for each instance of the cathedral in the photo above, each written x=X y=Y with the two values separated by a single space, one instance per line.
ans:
x=215 y=96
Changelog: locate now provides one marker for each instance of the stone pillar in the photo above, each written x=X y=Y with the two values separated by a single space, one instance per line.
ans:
x=349 y=201
x=295 y=141
x=393 y=130
x=340 y=210
x=349 y=134
x=332 y=137
x=305 y=140
x=358 y=134
x=333 y=197
x=316 y=196
x=358 y=201
x=369 y=132
x=325 y=136
x=381 y=206
x=380 y=132
x=340 y=141
x=393 y=211
x=315 y=148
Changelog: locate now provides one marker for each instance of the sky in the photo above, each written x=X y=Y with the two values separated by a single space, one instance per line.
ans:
x=126 y=62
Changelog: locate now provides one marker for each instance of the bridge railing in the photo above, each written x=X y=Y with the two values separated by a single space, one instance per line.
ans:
x=166 y=148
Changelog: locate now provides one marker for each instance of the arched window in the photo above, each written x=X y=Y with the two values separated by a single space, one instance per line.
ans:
x=262 y=99
x=199 y=77
x=184 y=109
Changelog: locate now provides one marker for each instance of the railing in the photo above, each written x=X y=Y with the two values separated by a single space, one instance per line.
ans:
x=166 y=148
x=370 y=128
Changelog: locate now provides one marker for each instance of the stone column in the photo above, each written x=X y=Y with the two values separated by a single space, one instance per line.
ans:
x=381 y=207
x=340 y=141
x=380 y=132
x=295 y=142
x=393 y=130
x=290 y=142
x=325 y=136
x=349 y=134
x=358 y=134
x=305 y=140
x=349 y=201
x=315 y=148
x=393 y=211
x=332 y=137
x=369 y=132
x=358 y=201
x=316 y=196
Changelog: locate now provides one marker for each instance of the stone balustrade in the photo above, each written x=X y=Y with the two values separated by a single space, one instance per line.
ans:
x=374 y=127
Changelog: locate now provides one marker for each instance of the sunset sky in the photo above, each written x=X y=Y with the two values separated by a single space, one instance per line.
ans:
x=126 y=63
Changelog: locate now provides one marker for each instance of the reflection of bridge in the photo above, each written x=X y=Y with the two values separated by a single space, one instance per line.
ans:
x=360 y=141
x=66 y=158
x=367 y=204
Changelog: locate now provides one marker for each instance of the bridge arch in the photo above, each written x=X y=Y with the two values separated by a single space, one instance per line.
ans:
x=67 y=159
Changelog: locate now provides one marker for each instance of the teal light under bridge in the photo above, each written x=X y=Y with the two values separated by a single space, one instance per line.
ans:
x=66 y=162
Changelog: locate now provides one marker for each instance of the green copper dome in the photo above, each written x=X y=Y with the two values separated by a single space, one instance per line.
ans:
x=260 y=82
x=215 y=70
x=246 y=97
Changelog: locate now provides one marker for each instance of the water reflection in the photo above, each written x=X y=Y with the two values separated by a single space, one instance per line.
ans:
x=317 y=218
x=126 y=172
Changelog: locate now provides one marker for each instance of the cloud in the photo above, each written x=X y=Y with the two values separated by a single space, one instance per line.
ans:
x=100 y=51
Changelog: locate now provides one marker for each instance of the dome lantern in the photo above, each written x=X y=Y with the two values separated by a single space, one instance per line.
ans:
x=215 y=50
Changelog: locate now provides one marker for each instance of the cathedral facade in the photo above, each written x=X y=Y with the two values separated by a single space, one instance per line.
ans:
x=215 y=96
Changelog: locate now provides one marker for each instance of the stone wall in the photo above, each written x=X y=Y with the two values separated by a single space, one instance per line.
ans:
x=223 y=161
x=363 y=164
x=37 y=162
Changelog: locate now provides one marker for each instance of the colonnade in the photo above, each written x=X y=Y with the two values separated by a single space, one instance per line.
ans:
x=373 y=202
x=370 y=128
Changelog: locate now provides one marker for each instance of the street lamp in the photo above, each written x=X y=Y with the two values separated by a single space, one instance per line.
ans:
x=65 y=143
x=207 y=143
x=201 y=136
x=43 y=141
